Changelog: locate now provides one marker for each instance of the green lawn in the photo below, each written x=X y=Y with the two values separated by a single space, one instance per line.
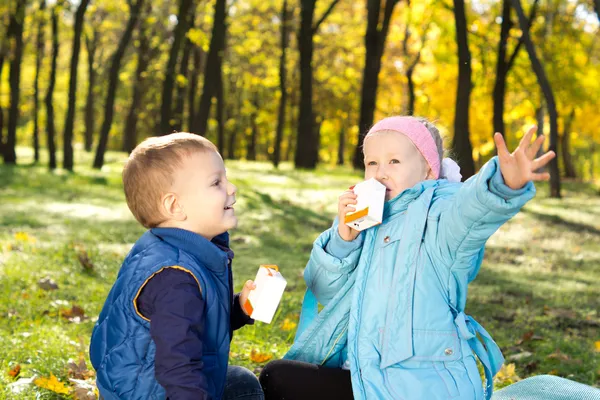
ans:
x=537 y=292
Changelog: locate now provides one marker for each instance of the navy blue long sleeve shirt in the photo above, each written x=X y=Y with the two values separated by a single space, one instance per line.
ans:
x=173 y=303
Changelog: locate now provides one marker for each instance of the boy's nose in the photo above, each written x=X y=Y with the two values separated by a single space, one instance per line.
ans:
x=232 y=189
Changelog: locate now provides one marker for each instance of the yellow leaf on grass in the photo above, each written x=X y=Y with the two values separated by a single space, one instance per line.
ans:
x=24 y=237
x=597 y=346
x=52 y=384
x=288 y=325
x=259 y=357
x=507 y=374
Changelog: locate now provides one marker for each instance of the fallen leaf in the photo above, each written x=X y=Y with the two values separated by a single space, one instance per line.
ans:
x=288 y=325
x=24 y=237
x=525 y=338
x=85 y=261
x=507 y=375
x=597 y=346
x=84 y=390
x=520 y=356
x=80 y=370
x=74 y=314
x=52 y=384
x=558 y=355
x=47 y=284
x=259 y=357
x=14 y=371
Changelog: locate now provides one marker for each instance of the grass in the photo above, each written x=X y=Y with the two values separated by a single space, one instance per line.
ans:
x=537 y=292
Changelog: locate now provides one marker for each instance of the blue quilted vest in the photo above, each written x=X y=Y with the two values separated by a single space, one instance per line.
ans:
x=122 y=350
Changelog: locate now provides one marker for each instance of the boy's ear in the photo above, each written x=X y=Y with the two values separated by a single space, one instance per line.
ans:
x=172 y=207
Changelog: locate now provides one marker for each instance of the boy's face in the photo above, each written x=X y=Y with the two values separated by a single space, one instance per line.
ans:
x=205 y=195
x=393 y=160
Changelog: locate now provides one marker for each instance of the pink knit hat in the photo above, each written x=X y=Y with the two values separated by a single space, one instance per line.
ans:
x=418 y=133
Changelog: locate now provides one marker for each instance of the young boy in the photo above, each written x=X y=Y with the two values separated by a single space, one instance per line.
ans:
x=166 y=326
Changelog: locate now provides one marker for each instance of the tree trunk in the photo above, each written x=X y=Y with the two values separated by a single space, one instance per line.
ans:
x=251 y=146
x=113 y=79
x=197 y=67
x=15 y=31
x=238 y=111
x=50 y=130
x=341 y=144
x=501 y=70
x=68 y=132
x=213 y=66
x=566 y=147
x=540 y=117
x=39 y=55
x=143 y=60
x=282 y=85
x=461 y=145
x=181 y=88
x=220 y=116
x=375 y=44
x=548 y=94
x=167 y=93
x=1 y=109
x=504 y=65
x=91 y=45
x=305 y=138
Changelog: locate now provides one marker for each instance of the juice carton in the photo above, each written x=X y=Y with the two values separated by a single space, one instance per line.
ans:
x=263 y=301
x=369 y=209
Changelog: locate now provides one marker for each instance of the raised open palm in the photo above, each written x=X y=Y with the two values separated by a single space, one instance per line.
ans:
x=519 y=167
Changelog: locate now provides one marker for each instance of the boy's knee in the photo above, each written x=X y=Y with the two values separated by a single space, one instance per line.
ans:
x=242 y=383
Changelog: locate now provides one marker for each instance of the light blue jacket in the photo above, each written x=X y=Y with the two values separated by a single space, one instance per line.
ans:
x=393 y=299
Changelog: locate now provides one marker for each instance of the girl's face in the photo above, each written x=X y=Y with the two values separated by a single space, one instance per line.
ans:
x=392 y=159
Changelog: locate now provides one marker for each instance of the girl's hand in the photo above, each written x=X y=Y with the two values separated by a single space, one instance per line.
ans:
x=345 y=206
x=248 y=287
x=519 y=167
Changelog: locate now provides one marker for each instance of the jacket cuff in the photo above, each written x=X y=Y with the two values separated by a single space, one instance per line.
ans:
x=238 y=317
x=339 y=248
x=498 y=187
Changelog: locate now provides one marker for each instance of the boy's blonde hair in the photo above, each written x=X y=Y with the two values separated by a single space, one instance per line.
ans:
x=148 y=173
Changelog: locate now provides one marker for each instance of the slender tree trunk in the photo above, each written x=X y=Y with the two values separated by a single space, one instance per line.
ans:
x=504 y=65
x=181 y=88
x=213 y=66
x=50 y=129
x=220 y=116
x=196 y=70
x=238 y=111
x=566 y=147
x=375 y=44
x=113 y=78
x=251 y=147
x=282 y=85
x=39 y=55
x=70 y=120
x=501 y=69
x=15 y=31
x=91 y=45
x=305 y=139
x=341 y=144
x=143 y=60
x=540 y=117
x=548 y=94
x=1 y=109
x=167 y=93
x=461 y=145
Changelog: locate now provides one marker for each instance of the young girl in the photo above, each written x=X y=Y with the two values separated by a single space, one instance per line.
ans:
x=393 y=324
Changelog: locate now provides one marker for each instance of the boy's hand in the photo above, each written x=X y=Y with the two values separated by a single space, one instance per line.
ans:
x=248 y=287
x=519 y=167
x=346 y=200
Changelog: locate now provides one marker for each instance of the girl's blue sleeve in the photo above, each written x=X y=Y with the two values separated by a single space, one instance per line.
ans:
x=475 y=212
x=331 y=261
